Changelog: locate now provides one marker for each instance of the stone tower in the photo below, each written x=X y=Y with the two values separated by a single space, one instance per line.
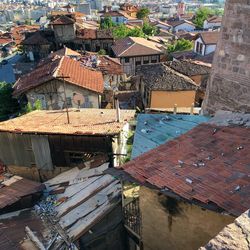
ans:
x=229 y=83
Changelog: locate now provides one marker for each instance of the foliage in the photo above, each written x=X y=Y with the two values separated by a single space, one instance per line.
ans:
x=37 y=106
x=102 y=52
x=27 y=21
x=180 y=45
x=149 y=30
x=203 y=13
x=8 y=105
x=122 y=31
x=107 y=23
x=143 y=13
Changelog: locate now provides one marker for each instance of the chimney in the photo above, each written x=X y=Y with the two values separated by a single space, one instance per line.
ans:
x=228 y=85
x=118 y=111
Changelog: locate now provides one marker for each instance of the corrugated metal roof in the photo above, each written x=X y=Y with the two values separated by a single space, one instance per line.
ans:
x=152 y=130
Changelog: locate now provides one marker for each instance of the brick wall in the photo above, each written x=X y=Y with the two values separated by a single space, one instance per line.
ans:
x=229 y=83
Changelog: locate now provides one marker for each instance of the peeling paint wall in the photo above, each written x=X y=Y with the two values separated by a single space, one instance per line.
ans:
x=168 y=224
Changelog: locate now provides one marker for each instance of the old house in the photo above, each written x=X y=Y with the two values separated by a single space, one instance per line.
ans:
x=181 y=25
x=41 y=144
x=193 y=185
x=163 y=87
x=135 y=51
x=213 y=22
x=94 y=40
x=37 y=45
x=130 y=9
x=205 y=42
x=197 y=71
x=82 y=210
x=57 y=81
x=64 y=29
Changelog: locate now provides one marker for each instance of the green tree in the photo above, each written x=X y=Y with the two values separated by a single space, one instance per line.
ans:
x=102 y=52
x=149 y=30
x=107 y=23
x=36 y=106
x=122 y=31
x=201 y=15
x=8 y=105
x=180 y=45
x=136 y=32
x=143 y=13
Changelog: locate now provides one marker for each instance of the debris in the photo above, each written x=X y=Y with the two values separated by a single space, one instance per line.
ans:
x=237 y=188
x=201 y=164
x=194 y=164
x=189 y=181
x=146 y=131
x=240 y=147
x=145 y=123
x=214 y=131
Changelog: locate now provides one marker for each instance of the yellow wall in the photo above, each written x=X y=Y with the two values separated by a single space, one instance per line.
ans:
x=167 y=99
x=180 y=227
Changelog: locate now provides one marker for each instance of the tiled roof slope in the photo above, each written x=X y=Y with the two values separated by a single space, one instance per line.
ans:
x=135 y=46
x=59 y=67
x=36 y=39
x=161 y=77
x=189 y=68
x=83 y=122
x=210 y=37
x=62 y=20
x=209 y=164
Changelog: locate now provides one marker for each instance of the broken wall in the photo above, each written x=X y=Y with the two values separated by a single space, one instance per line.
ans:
x=229 y=83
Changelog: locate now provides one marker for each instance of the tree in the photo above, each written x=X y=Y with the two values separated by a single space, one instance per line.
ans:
x=102 y=52
x=143 y=13
x=200 y=16
x=107 y=23
x=149 y=30
x=122 y=31
x=8 y=105
x=37 y=106
x=136 y=32
x=180 y=45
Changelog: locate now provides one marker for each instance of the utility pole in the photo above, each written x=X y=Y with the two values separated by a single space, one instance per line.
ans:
x=65 y=98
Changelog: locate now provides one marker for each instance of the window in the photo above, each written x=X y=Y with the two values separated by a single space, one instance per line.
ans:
x=126 y=60
x=137 y=63
x=154 y=59
x=145 y=60
x=199 y=47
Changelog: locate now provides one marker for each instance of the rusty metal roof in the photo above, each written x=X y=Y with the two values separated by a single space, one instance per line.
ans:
x=15 y=187
x=209 y=164
x=82 y=122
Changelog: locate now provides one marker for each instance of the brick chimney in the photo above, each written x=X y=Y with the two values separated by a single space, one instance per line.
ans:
x=229 y=83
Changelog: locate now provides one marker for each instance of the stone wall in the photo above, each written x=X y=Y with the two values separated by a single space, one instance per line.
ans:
x=229 y=83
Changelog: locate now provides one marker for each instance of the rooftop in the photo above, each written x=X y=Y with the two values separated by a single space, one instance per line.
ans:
x=214 y=19
x=61 y=67
x=36 y=38
x=179 y=22
x=82 y=122
x=153 y=130
x=209 y=37
x=62 y=20
x=209 y=166
x=135 y=46
x=161 y=77
x=189 y=68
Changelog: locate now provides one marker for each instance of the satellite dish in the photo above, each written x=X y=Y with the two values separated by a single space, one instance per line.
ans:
x=78 y=99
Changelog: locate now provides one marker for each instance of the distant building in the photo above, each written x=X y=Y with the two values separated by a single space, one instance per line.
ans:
x=206 y=42
x=212 y=23
x=42 y=144
x=135 y=51
x=181 y=25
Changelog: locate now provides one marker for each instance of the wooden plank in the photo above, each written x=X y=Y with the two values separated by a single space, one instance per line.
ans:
x=104 y=196
x=84 y=194
x=41 y=149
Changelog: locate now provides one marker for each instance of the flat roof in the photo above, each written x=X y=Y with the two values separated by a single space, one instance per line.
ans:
x=82 y=122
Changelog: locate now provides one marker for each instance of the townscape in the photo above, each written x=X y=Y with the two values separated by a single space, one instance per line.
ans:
x=125 y=125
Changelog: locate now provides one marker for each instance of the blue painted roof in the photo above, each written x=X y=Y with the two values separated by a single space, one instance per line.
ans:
x=152 y=130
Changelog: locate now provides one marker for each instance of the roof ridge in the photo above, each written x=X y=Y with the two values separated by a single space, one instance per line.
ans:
x=55 y=74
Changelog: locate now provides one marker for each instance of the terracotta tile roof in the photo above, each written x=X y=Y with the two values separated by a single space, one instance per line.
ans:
x=161 y=77
x=189 y=67
x=4 y=41
x=36 y=39
x=209 y=164
x=83 y=122
x=62 y=20
x=179 y=22
x=209 y=37
x=64 y=52
x=135 y=46
x=110 y=65
x=86 y=33
x=56 y=68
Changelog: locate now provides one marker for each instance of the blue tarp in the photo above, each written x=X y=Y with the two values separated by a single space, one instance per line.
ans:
x=152 y=130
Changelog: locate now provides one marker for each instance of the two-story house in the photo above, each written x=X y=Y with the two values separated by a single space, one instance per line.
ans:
x=181 y=25
x=135 y=51
x=213 y=22
x=56 y=81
